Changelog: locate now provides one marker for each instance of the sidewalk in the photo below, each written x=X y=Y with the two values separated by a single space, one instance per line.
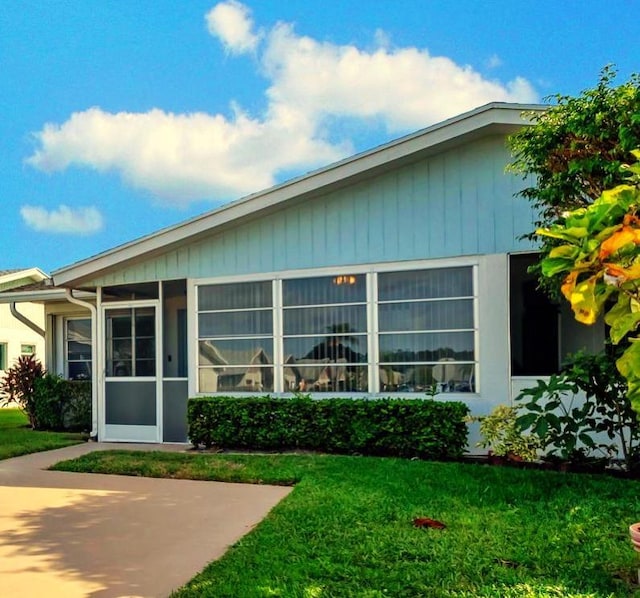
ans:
x=70 y=535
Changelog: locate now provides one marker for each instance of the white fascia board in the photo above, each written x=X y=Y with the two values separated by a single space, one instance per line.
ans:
x=501 y=116
x=34 y=274
x=45 y=296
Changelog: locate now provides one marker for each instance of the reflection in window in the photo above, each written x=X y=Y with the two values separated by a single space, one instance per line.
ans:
x=325 y=334
x=131 y=342
x=235 y=337
x=427 y=332
x=77 y=342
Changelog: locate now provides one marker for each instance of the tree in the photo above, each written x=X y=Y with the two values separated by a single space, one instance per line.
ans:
x=597 y=257
x=574 y=151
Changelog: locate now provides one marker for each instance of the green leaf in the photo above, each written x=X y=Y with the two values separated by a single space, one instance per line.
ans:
x=554 y=265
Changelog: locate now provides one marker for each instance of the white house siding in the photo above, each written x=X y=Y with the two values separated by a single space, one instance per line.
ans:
x=15 y=333
x=457 y=203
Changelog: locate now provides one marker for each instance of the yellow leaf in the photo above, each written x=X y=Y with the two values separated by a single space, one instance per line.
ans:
x=569 y=284
x=583 y=301
x=617 y=240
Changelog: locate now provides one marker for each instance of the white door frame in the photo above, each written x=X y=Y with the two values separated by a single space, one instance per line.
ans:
x=130 y=433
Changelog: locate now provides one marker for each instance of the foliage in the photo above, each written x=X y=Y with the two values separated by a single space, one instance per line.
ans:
x=561 y=419
x=346 y=528
x=598 y=377
x=399 y=427
x=502 y=434
x=574 y=150
x=18 y=383
x=576 y=147
x=16 y=437
x=61 y=404
x=599 y=260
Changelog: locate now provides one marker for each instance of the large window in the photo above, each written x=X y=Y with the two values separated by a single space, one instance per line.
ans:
x=235 y=332
x=405 y=331
x=325 y=334
x=77 y=344
x=426 y=330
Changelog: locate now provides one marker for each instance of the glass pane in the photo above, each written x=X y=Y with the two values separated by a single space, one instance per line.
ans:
x=145 y=348
x=427 y=315
x=121 y=349
x=120 y=325
x=79 y=330
x=236 y=379
x=121 y=367
x=302 y=377
x=324 y=349
x=425 y=284
x=145 y=367
x=328 y=289
x=421 y=378
x=77 y=350
x=145 y=323
x=236 y=352
x=242 y=295
x=79 y=370
x=426 y=347
x=130 y=292
x=325 y=320
x=242 y=323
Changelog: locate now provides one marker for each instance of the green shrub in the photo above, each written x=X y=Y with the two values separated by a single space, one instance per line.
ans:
x=61 y=405
x=391 y=427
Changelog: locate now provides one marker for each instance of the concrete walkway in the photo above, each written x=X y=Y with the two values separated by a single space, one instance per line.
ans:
x=69 y=535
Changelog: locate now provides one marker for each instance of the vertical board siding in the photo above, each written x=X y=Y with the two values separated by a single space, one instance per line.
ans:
x=459 y=202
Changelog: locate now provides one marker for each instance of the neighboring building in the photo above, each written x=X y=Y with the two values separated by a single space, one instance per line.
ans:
x=16 y=337
x=392 y=272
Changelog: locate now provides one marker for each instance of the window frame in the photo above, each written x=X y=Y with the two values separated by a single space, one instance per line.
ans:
x=371 y=272
x=65 y=347
x=4 y=356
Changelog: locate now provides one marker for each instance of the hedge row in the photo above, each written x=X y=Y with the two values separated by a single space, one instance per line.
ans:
x=61 y=405
x=421 y=428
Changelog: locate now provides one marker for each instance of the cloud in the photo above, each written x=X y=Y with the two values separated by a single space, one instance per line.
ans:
x=405 y=88
x=313 y=88
x=183 y=157
x=494 y=61
x=65 y=220
x=231 y=22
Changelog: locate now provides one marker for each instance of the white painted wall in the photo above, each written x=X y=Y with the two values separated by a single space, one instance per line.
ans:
x=15 y=334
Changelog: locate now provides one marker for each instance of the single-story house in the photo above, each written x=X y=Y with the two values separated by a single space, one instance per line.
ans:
x=21 y=331
x=393 y=272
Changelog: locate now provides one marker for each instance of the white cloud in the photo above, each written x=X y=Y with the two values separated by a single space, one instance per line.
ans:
x=231 y=22
x=78 y=221
x=494 y=61
x=406 y=88
x=183 y=157
x=312 y=85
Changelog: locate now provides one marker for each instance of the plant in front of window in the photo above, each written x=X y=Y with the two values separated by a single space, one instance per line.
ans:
x=563 y=421
x=17 y=386
x=503 y=436
x=599 y=259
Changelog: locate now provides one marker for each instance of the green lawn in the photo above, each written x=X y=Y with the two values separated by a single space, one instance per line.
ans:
x=346 y=529
x=16 y=438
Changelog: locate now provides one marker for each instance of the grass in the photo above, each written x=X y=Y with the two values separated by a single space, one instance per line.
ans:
x=346 y=529
x=17 y=438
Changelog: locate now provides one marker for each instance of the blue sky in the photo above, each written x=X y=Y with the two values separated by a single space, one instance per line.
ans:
x=119 y=118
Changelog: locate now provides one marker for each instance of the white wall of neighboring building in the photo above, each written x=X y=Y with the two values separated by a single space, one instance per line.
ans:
x=16 y=336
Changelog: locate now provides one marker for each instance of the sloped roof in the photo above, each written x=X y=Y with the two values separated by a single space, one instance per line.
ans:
x=494 y=118
x=13 y=279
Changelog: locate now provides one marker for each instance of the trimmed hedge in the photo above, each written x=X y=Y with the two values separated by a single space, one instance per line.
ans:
x=61 y=405
x=421 y=428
